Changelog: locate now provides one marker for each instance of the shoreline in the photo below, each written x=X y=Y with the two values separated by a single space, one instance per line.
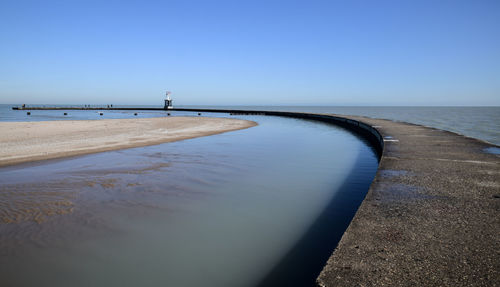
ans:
x=23 y=142
x=429 y=217
x=479 y=123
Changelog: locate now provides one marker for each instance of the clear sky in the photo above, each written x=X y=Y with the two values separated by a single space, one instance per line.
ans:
x=398 y=52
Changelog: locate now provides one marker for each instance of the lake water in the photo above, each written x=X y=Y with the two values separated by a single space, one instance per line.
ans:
x=263 y=206
x=477 y=122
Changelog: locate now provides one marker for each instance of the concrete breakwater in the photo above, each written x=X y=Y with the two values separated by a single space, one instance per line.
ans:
x=367 y=131
x=430 y=216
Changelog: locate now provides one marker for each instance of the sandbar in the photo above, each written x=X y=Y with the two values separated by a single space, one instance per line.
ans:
x=31 y=141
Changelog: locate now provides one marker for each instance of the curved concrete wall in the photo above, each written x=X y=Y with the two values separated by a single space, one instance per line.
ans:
x=367 y=131
x=363 y=129
x=444 y=184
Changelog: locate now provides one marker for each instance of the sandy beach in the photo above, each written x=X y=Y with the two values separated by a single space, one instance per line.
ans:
x=30 y=141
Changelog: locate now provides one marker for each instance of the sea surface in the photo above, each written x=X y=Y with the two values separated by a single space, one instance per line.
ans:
x=478 y=122
x=263 y=206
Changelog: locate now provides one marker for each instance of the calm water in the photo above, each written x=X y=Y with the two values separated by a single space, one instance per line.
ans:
x=477 y=122
x=9 y=115
x=262 y=206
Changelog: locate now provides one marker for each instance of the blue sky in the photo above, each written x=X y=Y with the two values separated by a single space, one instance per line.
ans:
x=251 y=52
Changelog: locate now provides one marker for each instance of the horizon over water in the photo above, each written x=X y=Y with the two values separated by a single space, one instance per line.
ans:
x=481 y=122
x=221 y=210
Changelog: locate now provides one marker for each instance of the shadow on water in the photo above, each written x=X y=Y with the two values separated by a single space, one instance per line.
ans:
x=303 y=263
x=189 y=232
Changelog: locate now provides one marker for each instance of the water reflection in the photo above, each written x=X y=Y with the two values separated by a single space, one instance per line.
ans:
x=223 y=210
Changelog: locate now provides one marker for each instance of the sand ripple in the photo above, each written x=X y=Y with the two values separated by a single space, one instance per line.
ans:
x=28 y=204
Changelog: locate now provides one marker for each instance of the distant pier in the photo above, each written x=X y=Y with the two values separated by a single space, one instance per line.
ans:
x=430 y=217
x=79 y=108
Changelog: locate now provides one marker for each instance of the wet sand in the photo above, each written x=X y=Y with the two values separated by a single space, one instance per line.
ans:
x=30 y=141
